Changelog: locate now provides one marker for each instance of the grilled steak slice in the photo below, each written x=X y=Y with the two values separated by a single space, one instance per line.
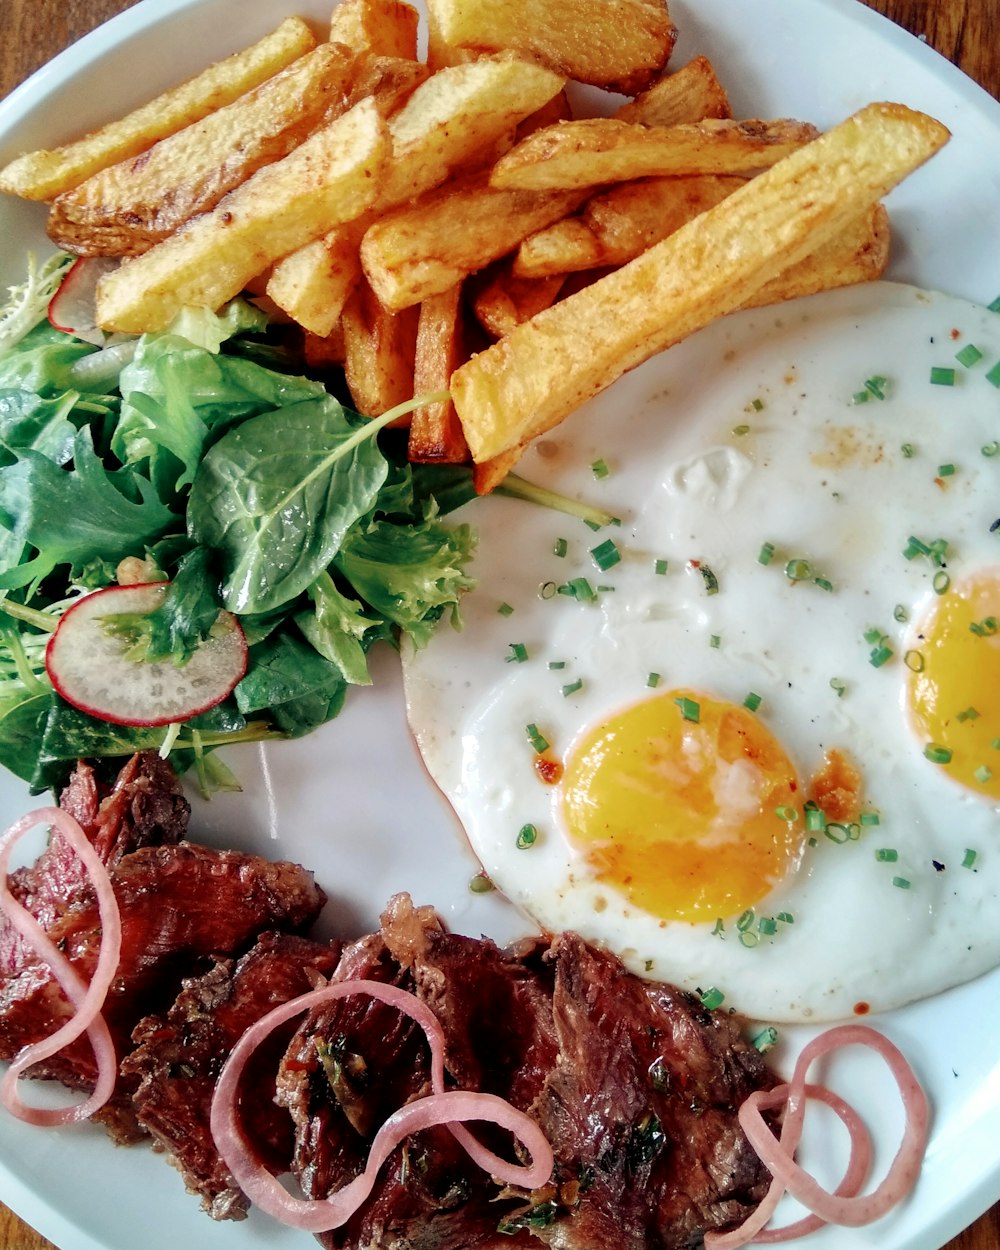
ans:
x=178 y=1058
x=635 y=1084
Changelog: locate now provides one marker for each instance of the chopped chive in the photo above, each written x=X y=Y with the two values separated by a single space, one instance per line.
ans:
x=538 y=740
x=579 y=588
x=653 y=680
x=480 y=884
x=745 y=920
x=873 y=634
x=786 y=917
x=604 y=589
x=985 y=628
x=940 y=376
x=547 y=590
x=901 y=883
x=838 y=686
x=870 y=819
x=969 y=858
x=711 y=581
x=753 y=701
x=557 y=663
x=887 y=855
x=766 y=553
x=939 y=551
x=765 y=1040
x=527 y=836
x=823 y=583
x=876 y=386
x=560 y=547
x=755 y=405
x=969 y=355
x=995 y=744
x=993 y=376
x=767 y=925
x=994 y=306
x=572 y=687
x=937 y=754
x=660 y=567
x=838 y=832
x=815 y=820
x=690 y=709
x=786 y=813
x=518 y=653
x=989 y=450
x=712 y=998
x=880 y=655
x=605 y=555
x=946 y=470
x=941 y=582
x=908 y=450
x=749 y=939
x=915 y=547
x=719 y=929
x=968 y=713
x=914 y=661
x=740 y=430
x=798 y=570
x=900 y=614
x=861 y=397
x=983 y=774
x=505 y=609
x=714 y=641
x=599 y=468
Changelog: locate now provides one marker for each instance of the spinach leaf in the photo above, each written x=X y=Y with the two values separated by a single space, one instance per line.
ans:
x=189 y=609
x=277 y=494
x=74 y=516
x=340 y=629
x=293 y=682
x=22 y=728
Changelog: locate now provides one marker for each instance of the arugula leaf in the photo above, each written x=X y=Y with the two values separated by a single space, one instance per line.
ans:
x=71 y=517
x=340 y=630
x=276 y=496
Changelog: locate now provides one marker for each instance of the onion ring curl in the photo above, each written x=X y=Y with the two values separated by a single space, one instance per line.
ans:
x=441 y=1107
x=88 y=1000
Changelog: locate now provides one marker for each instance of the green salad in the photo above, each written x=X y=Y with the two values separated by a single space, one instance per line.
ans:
x=205 y=457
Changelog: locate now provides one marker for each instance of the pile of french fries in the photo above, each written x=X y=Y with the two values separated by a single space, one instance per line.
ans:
x=448 y=223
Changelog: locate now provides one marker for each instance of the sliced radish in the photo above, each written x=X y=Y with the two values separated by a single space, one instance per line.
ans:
x=73 y=308
x=88 y=665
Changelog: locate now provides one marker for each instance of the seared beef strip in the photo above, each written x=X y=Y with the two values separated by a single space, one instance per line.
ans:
x=178 y=1058
x=180 y=903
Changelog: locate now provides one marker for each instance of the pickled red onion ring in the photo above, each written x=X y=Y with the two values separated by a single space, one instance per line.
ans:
x=88 y=1000
x=450 y=1108
x=845 y=1205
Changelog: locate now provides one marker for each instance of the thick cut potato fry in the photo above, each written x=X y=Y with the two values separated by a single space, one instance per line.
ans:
x=389 y=80
x=376 y=27
x=379 y=350
x=332 y=176
x=597 y=150
x=690 y=94
x=488 y=475
x=435 y=431
x=313 y=284
x=124 y=209
x=616 y=226
x=504 y=301
x=532 y=379
x=423 y=249
x=47 y=173
x=619 y=44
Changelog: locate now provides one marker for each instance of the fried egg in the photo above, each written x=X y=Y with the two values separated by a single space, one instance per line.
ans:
x=748 y=734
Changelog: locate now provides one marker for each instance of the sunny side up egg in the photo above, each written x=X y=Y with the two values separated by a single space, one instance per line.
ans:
x=750 y=736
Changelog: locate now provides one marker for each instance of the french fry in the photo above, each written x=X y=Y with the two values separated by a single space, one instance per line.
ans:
x=332 y=176
x=435 y=430
x=424 y=248
x=619 y=44
x=389 y=80
x=126 y=208
x=532 y=379
x=44 y=174
x=504 y=301
x=617 y=225
x=313 y=283
x=596 y=150
x=690 y=94
x=486 y=477
x=379 y=350
x=376 y=27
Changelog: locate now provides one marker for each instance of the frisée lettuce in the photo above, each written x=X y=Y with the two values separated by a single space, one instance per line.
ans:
x=244 y=485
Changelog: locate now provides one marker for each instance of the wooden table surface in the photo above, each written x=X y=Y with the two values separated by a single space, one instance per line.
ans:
x=966 y=31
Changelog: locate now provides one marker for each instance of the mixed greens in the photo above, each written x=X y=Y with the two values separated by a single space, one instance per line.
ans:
x=207 y=454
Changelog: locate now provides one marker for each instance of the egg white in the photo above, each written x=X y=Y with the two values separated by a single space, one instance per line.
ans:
x=745 y=434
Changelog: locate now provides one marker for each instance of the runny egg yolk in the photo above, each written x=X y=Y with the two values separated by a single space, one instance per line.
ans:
x=954 y=682
x=684 y=804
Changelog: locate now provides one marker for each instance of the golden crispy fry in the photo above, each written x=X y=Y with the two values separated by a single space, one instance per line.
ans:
x=389 y=80
x=124 y=209
x=379 y=349
x=537 y=375
x=376 y=27
x=332 y=176
x=690 y=94
x=324 y=351
x=616 y=226
x=488 y=475
x=313 y=284
x=558 y=109
x=504 y=301
x=620 y=44
x=45 y=174
x=597 y=150
x=435 y=430
x=424 y=248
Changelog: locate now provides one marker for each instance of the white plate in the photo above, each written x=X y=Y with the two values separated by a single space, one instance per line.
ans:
x=353 y=801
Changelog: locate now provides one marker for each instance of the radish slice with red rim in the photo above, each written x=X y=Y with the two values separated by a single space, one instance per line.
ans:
x=73 y=308
x=88 y=663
